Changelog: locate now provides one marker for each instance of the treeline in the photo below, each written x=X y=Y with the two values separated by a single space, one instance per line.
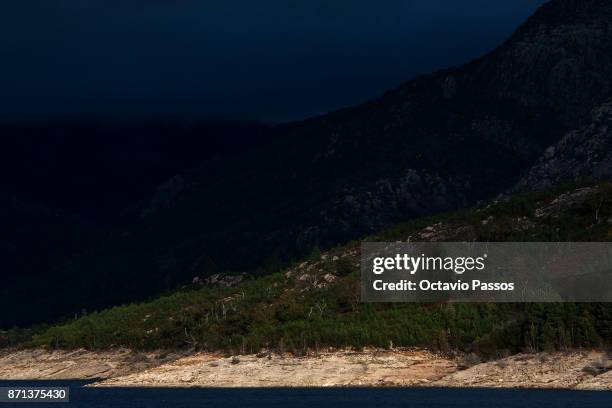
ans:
x=299 y=310
x=264 y=315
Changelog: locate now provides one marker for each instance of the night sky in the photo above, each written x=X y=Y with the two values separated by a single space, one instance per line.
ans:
x=271 y=60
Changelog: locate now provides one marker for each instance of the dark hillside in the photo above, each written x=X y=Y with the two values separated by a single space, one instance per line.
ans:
x=440 y=142
x=316 y=302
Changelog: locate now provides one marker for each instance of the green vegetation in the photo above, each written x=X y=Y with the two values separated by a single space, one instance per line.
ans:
x=316 y=303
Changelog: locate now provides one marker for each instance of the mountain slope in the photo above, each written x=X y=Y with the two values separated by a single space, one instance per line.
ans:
x=105 y=172
x=34 y=238
x=582 y=153
x=316 y=302
x=440 y=142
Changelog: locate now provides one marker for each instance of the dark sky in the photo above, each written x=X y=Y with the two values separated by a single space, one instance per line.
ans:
x=274 y=60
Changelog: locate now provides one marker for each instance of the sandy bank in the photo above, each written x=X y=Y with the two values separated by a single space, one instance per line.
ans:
x=121 y=368
x=78 y=364
x=407 y=368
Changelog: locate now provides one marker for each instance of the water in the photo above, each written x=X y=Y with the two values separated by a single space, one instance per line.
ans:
x=336 y=398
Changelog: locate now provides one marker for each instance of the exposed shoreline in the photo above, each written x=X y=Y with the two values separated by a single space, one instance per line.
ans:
x=580 y=369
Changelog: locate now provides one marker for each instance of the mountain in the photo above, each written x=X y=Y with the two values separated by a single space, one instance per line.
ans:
x=106 y=172
x=315 y=303
x=34 y=238
x=440 y=142
x=64 y=188
x=584 y=153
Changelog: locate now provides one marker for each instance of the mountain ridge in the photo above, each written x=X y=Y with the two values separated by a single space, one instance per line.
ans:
x=441 y=142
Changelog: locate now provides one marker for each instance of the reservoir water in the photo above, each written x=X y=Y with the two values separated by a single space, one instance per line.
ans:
x=316 y=397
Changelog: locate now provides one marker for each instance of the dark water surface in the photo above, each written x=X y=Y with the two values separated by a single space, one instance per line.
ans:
x=317 y=397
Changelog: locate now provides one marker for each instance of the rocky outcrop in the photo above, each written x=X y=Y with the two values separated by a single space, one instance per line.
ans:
x=409 y=194
x=221 y=279
x=582 y=153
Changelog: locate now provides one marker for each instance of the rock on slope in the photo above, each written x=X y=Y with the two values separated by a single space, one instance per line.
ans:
x=580 y=154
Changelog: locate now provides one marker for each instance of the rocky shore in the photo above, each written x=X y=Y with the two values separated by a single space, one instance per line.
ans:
x=77 y=365
x=402 y=368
